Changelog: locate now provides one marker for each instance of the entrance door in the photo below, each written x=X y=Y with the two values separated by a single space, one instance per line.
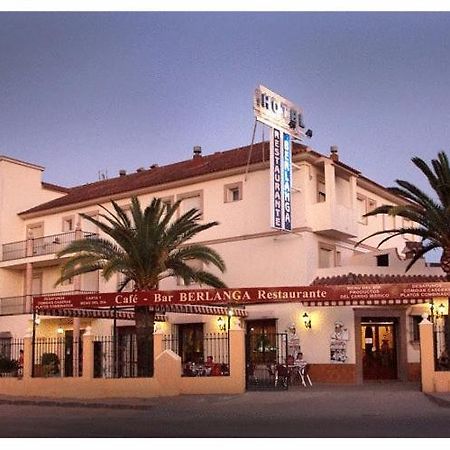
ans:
x=379 y=348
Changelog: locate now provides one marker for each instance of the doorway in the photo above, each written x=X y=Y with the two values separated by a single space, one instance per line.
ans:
x=379 y=348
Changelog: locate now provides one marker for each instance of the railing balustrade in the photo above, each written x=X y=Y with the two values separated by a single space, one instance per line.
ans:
x=207 y=357
x=11 y=357
x=55 y=357
x=46 y=245
x=19 y=305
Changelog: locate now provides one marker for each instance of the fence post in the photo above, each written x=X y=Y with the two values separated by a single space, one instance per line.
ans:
x=158 y=348
x=237 y=356
x=27 y=356
x=426 y=355
x=88 y=354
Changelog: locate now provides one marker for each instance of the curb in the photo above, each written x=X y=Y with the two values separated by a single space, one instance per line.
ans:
x=73 y=404
x=438 y=400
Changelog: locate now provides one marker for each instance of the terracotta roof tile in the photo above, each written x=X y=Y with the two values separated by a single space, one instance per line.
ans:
x=194 y=167
x=352 y=278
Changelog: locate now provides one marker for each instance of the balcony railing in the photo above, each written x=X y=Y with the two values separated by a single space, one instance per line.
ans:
x=46 y=245
x=22 y=304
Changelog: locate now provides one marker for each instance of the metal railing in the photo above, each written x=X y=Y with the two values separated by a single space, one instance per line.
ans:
x=23 y=304
x=46 y=245
x=57 y=357
x=441 y=335
x=208 y=356
x=117 y=357
x=11 y=357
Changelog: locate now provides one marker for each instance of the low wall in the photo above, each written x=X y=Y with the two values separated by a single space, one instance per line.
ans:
x=432 y=381
x=167 y=379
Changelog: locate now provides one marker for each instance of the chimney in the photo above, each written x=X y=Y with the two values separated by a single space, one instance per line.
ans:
x=334 y=153
x=122 y=172
x=197 y=152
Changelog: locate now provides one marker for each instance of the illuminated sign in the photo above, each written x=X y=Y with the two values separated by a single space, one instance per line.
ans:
x=320 y=295
x=278 y=112
x=281 y=174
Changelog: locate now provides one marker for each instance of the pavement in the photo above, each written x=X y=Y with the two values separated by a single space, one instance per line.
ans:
x=441 y=399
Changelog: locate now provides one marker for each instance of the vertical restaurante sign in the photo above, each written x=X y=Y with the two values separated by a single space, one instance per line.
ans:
x=286 y=120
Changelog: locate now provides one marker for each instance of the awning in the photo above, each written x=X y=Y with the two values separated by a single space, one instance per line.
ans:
x=129 y=315
x=96 y=314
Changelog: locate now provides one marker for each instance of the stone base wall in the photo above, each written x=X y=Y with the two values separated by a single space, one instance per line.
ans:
x=333 y=373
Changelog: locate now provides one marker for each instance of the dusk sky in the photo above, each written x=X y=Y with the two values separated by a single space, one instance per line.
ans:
x=89 y=92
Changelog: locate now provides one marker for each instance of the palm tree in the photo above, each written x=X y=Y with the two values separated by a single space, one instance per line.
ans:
x=431 y=215
x=145 y=248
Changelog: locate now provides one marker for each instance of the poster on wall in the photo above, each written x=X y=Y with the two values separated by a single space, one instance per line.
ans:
x=338 y=343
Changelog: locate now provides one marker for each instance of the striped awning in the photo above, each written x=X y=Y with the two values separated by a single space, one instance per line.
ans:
x=129 y=315
x=96 y=314
x=201 y=309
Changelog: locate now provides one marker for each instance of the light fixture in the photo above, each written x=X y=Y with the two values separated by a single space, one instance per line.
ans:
x=37 y=320
x=60 y=330
x=307 y=320
x=230 y=313
x=440 y=311
x=221 y=324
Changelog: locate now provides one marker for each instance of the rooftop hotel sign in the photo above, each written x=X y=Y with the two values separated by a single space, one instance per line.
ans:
x=339 y=295
x=286 y=120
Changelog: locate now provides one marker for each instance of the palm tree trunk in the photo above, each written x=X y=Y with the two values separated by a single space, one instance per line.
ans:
x=144 y=322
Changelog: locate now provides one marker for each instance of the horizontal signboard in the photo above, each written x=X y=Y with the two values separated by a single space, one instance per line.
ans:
x=278 y=112
x=308 y=295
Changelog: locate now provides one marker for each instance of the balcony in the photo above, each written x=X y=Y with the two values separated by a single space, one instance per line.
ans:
x=332 y=220
x=10 y=306
x=46 y=245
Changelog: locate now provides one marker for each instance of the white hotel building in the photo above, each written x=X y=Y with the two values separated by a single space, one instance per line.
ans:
x=233 y=188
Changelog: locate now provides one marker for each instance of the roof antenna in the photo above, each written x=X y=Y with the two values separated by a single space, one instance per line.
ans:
x=250 y=152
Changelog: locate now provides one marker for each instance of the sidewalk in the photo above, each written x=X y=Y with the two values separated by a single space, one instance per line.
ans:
x=440 y=399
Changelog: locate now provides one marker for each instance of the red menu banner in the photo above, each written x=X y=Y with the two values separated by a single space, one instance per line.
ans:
x=315 y=295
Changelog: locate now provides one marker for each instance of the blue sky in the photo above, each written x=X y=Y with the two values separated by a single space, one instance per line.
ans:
x=87 y=92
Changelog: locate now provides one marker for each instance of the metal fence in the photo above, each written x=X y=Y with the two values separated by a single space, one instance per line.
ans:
x=442 y=344
x=208 y=356
x=11 y=357
x=45 y=245
x=118 y=357
x=57 y=357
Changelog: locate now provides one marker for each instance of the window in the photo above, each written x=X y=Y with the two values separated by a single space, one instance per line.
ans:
x=68 y=224
x=191 y=200
x=233 y=192
x=371 y=205
x=321 y=194
x=326 y=256
x=362 y=209
x=120 y=279
x=68 y=282
x=383 y=260
x=194 y=264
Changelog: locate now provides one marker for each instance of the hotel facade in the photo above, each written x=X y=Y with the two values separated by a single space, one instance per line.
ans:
x=328 y=200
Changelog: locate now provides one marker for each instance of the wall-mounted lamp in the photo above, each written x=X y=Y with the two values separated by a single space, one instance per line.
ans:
x=440 y=311
x=230 y=314
x=37 y=320
x=60 y=330
x=221 y=324
x=307 y=320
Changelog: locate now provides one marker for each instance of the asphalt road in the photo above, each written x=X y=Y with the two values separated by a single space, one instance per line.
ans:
x=318 y=412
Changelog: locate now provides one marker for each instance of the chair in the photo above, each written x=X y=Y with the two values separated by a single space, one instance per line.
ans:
x=303 y=372
x=282 y=376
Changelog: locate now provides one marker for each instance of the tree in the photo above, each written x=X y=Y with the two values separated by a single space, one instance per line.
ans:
x=149 y=245
x=430 y=218
x=429 y=215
